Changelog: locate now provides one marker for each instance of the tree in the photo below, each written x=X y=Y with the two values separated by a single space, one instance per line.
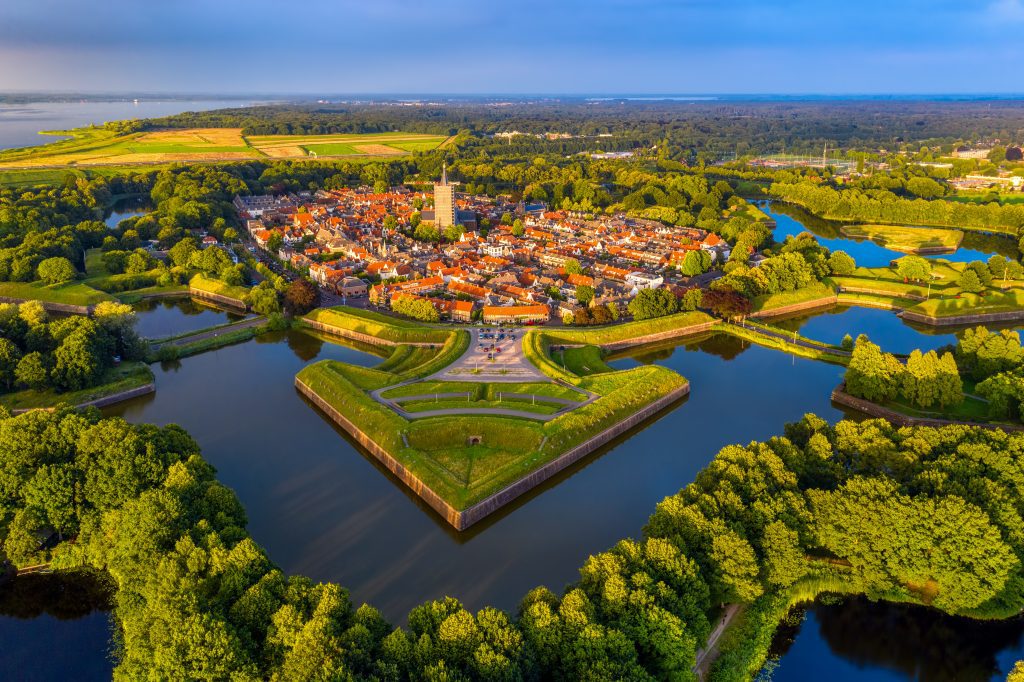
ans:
x=726 y=303
x=301 y=296
x=274 y=242
x=230 y=235
x=137 y=263
x=970 y=282
x=692 y=299
x=650 y=303
x=872 y=374
x=263 y=299
x=427 y=233
x=9 y=358
x=416 y=308
x=506 y=218
x=584 y=294
x=572 y=267
x=32 y=371
x=77 y=361
x=695 y=263
x=518 y=229
x=453 y=233
x=914 y=268
x=181 y=253
x=56 y=270
x=118 y=321
x=33 y=313
x=841 y=263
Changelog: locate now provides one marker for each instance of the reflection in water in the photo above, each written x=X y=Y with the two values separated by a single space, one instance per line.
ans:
x=792 y=220
x=158 y=318
x=51 y=625
x=856 y=639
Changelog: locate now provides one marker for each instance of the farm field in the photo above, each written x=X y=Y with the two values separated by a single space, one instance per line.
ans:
x=98 y=147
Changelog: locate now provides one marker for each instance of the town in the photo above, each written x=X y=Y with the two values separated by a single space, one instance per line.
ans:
x=500 y=262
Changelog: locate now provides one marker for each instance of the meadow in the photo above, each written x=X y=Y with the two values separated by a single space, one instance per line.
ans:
x=99 y=147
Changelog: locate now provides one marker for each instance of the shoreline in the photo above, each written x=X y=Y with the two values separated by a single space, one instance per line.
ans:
x=840 y=396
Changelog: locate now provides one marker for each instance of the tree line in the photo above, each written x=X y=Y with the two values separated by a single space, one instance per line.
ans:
x=928 y=515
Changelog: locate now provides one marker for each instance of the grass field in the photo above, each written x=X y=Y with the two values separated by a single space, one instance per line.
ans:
x=71 y=293
x=762 y=304
x=215 y=286
x=600 y=336
x=906 y=239
x=378 y=325
x=95 y=146
x=438 y=450
x=124 y=377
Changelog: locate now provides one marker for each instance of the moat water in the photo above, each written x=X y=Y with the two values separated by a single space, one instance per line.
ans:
x=324 y=509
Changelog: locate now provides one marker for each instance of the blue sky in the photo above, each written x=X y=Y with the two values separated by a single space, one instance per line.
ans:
x=327 y=47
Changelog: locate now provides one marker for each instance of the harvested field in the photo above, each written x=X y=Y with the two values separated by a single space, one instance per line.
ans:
x=375 y=149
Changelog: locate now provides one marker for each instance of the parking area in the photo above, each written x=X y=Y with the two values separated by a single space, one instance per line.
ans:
x=496 y=352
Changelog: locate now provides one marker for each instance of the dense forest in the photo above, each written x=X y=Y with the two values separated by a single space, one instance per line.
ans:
x=923 y=515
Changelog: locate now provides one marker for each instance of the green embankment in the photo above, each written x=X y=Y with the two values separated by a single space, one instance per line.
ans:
x=378 y=325
x=906 y=239
x=612 y=334
x=769 y=302
x=439 y=452
x=124 y=377
x=69 y=293
x=202 y=283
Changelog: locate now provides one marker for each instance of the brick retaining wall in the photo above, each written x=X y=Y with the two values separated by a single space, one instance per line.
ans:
x=218 y=298
x=461 y=520
x=977 y=318
x=361 y=337
x=823 y=302
x=839 y=395
x=103 y=401
x=53 y=307
x=658 y=337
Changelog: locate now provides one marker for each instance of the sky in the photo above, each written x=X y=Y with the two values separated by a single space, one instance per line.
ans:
x=333 y=47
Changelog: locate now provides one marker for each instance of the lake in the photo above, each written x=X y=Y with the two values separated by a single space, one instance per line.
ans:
x=20 y=123
x=323 y=508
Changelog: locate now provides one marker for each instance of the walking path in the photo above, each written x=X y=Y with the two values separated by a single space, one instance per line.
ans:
x=210 y=332
x=707 y=655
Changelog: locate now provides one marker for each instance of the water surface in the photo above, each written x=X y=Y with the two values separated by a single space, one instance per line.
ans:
x=159 y=318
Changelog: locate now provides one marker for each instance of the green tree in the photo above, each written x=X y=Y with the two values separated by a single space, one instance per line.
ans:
x=416 y=308
x=518 y=229
x=32 y=371
x=56 y=270
x=181 y=253
x=584 y=294
x=263 y=299
x=650 y=303
x=840 y=263
x=10 y=356
x=572 y=267
x=970 y=282
x=914 y=268
x=872 y=374
x=695 y=263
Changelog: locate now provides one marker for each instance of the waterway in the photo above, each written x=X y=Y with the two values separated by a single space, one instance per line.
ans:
x=127 y=208
x=324 y=509
x=791 y=220
x=159 y=318
x=20 y=123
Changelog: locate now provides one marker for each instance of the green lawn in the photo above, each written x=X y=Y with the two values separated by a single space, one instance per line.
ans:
x=457 y=404
x=904 y=238
x=582 y=361
x=70 y=293
x=438 y=450
x=201 y=282
x=600 y=336
x=378 y=325
x=993 y=301
x=786 y=298
x=126 y=376
x=94 y=266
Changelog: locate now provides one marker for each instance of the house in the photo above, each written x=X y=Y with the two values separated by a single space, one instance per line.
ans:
x=352 y=287
x=515 y=313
